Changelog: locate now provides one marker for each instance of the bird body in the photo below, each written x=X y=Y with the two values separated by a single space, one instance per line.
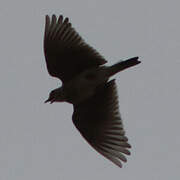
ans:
x=86 y=85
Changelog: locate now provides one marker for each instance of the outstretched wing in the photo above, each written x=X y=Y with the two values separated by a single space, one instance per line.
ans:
x=66 y=52
x=99 y=122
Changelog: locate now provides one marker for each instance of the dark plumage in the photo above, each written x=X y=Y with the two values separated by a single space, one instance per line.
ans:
x=86 y=85
x=67 y=55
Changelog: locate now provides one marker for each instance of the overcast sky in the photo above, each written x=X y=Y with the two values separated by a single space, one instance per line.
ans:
x=39 y=142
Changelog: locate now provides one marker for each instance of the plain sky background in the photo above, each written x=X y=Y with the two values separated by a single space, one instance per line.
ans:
x=39 y=142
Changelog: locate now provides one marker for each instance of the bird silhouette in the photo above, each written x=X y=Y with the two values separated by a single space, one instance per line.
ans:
x=86 y=85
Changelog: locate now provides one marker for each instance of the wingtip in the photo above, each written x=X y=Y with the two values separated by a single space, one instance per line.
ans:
x=53 y=16
x=46 y=16
x=47 y=19
x=66 y=20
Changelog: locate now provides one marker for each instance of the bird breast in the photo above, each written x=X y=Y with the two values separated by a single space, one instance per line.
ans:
x=83 y=86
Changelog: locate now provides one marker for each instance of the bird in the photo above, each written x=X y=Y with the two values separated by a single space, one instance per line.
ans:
x=87 y=85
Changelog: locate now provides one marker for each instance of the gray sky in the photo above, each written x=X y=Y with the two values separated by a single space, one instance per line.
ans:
x=39 y=141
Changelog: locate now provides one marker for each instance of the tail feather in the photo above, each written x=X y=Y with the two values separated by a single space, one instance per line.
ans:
x=122 y=65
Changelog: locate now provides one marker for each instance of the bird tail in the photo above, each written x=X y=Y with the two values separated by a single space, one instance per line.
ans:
x=122 y=65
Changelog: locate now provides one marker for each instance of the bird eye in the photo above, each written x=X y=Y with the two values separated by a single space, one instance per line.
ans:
x=52 y=93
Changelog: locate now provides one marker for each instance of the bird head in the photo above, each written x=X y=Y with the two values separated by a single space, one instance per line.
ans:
x=56 y=95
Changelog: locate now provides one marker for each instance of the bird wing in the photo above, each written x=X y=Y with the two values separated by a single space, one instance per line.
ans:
x=99 y=122
x=66 y=53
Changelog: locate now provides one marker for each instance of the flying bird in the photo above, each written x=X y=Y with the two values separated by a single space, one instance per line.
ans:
x=86 y=85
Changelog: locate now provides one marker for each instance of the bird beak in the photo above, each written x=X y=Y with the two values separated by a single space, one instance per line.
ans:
x=46 y=101
x=49 y=100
